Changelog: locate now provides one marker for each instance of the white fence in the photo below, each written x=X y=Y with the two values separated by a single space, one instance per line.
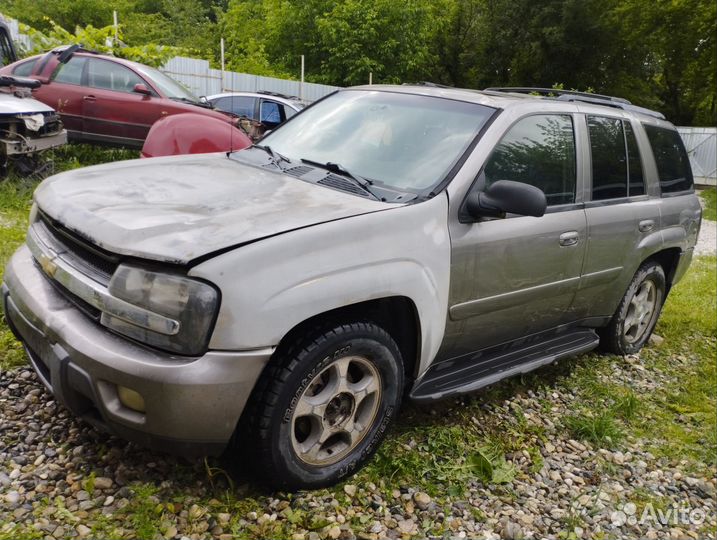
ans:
x=701 y=144
x=201 y=79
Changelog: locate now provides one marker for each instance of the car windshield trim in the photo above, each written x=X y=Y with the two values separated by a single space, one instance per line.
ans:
x=422 y=151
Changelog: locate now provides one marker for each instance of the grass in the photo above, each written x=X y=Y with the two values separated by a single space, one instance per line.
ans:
x=445 y=448
x=709 y=196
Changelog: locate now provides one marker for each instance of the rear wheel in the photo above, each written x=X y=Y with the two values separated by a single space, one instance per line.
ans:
x=323 y=406
x=637 y=314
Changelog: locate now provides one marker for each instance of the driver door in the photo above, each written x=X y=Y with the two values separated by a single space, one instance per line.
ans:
x=517 y=276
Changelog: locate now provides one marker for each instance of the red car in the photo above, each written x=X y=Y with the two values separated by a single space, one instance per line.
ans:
x=103 y=99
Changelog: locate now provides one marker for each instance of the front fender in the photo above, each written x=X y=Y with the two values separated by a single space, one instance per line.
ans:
x=270 y=286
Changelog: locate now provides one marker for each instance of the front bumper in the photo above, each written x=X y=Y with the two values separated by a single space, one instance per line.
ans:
x=192 y=405
x=17 y=146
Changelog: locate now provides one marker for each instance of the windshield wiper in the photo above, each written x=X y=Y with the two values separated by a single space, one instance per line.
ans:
x=362 y=182
x=276 y=157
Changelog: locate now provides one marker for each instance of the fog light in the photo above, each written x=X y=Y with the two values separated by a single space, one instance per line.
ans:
x=130 y=399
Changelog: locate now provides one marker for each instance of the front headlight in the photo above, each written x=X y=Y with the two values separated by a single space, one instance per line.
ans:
x=191 y=303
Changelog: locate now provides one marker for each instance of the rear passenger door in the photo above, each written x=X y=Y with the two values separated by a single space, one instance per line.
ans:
x=621 y=216
x=65 y=93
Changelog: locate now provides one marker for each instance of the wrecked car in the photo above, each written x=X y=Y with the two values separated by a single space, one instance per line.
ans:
x=103 y=99
x=27 y=126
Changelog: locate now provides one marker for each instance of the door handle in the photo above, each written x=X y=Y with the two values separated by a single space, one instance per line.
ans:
x=646 y=225
x=569 y=238
x=89 y=98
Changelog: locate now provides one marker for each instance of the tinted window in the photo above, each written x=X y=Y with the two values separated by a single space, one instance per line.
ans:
x=71 y=72
x=673 y=165
x=270 y=112
x=239 y=105
x=609 y=158
x=111 y=76
x=24 y=69
x=636 y=185
x=540 y=151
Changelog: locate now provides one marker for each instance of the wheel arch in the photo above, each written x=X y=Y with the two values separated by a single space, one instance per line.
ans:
x=669 y=259
x=398 y=315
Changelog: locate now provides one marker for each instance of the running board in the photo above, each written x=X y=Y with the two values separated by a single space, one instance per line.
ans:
x=474 y=371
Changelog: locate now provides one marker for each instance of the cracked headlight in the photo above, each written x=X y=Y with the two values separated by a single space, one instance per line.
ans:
x=188 y=307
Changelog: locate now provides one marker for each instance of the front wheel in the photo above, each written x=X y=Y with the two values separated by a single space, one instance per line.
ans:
x=324 y=404
x=637 y=314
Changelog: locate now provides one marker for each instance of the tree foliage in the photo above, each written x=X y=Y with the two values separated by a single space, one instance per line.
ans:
x=657 y=53
x=99 y=39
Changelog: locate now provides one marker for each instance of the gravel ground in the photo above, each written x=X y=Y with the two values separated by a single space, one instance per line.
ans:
x=62 y=478
x=707 y=241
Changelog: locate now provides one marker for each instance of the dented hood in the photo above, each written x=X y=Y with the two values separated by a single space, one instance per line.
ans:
x=177 y=209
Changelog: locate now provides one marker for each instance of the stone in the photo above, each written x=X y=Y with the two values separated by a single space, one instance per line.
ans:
x=422 y=500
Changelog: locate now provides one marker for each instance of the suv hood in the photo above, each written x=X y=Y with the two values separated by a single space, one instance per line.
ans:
x=179 y=208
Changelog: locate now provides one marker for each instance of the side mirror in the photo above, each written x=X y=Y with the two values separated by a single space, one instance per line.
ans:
x=142 y=89
x=506 y=197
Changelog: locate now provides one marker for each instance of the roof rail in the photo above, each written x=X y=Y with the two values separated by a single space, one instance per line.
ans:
x=427 y=83
x=586 y=97
x=277 y=94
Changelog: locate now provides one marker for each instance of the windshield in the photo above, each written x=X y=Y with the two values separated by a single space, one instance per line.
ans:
x=168 y=86
x=402 y=141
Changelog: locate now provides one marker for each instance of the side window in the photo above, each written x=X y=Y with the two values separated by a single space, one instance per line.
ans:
x=609 y=158
x=71 y=72
x=239 y=105
x=538 y=150
x=673 y=165
x=270 y=113
x=24 y=69
x=111 y=76
x=636 y=181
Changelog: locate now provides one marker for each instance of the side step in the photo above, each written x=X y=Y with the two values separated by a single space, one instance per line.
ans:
x=474 y=371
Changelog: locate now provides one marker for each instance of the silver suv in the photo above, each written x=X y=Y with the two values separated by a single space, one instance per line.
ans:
x=390 y=242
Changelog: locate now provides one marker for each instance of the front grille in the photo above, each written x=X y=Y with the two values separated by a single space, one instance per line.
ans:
x=78 y=253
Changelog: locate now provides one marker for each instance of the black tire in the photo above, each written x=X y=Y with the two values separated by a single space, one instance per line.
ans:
x=613 y=338
x=270 y=424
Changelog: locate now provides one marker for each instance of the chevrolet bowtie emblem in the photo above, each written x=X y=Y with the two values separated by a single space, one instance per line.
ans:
x=47 y=264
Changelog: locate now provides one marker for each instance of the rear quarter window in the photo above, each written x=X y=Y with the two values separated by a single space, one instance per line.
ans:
x=673 y=165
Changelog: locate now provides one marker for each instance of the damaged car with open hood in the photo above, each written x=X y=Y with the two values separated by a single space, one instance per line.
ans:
x=27 y=127
x=388 y=243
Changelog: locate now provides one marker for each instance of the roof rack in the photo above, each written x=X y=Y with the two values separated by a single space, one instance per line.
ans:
x=65 y=52
x=586 y=97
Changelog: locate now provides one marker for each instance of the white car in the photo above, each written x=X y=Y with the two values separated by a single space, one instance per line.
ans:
x=267 y=108
x=27 y=127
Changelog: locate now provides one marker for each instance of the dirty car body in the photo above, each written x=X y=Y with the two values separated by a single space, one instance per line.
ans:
x=386 y=239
